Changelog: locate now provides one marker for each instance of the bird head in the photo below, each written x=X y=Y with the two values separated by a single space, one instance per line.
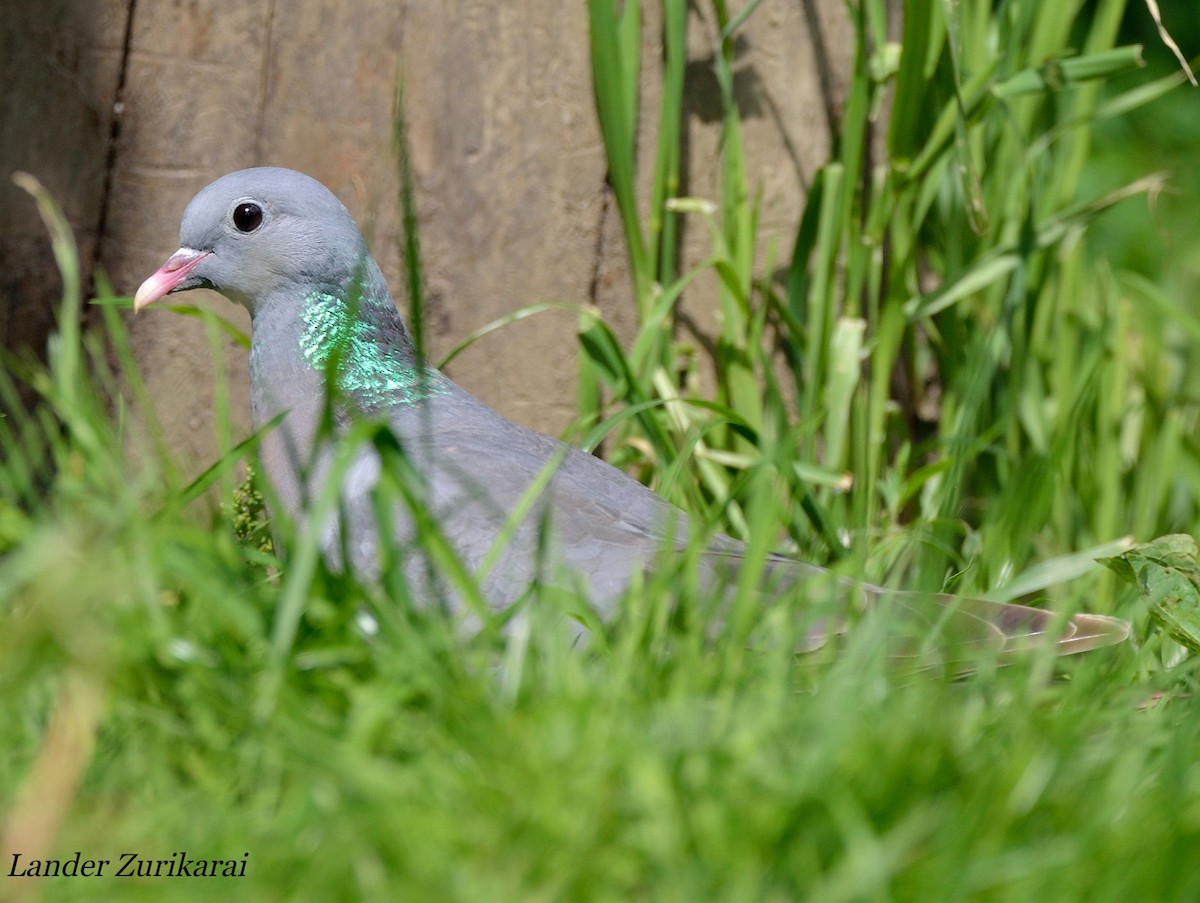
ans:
x=256 y=234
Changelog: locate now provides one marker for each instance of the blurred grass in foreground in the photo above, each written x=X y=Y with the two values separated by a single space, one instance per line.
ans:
x=164 y=686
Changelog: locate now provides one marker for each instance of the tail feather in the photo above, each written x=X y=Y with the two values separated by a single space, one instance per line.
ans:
x=929 y=627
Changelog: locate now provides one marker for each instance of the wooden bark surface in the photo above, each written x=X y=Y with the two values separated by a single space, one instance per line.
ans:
x=509 y=165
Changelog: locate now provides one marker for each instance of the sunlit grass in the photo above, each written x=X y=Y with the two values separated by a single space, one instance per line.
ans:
x=976 y=401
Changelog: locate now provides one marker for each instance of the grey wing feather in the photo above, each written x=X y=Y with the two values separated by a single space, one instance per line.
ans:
x=603 y=527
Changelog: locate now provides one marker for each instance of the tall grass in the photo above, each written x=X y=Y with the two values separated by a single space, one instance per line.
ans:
x=973 y=400
x=958 y=359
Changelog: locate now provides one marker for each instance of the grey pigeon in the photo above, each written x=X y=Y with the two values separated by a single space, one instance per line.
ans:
x=282 y=245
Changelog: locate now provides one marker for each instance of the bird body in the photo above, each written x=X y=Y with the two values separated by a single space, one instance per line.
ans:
x=282 y=245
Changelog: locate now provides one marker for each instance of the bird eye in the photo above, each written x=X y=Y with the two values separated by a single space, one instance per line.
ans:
x=247 y=217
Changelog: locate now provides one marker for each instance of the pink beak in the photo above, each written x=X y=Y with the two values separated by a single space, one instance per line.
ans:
x=168 y=277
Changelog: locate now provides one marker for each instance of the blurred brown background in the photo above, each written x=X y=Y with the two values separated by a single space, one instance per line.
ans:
x=124 y=109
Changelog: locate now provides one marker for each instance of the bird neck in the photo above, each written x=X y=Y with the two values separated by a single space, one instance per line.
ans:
x=354 y=333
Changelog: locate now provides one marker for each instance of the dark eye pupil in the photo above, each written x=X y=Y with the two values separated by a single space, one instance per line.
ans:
x=247 y=217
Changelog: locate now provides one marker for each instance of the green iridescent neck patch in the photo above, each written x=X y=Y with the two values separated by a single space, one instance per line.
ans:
x=375 y=363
